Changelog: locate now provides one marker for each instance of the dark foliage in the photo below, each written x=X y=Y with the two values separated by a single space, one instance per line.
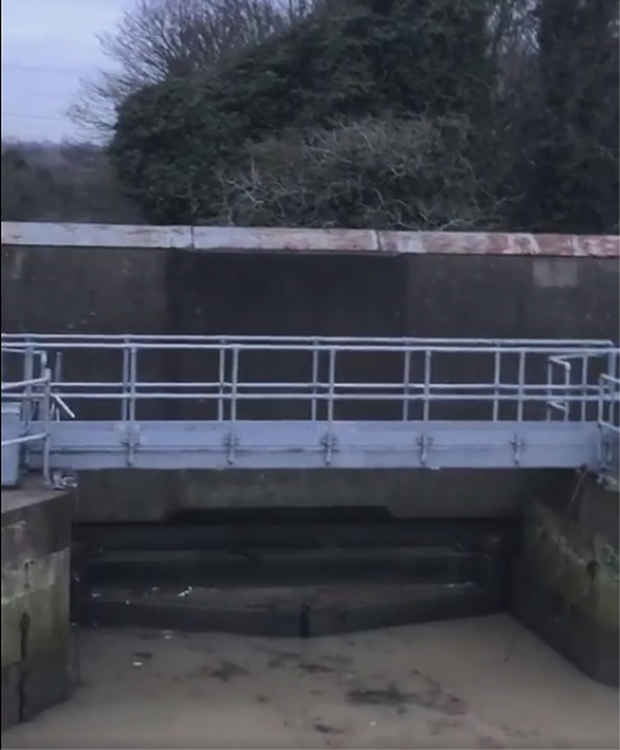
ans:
x=48 y=182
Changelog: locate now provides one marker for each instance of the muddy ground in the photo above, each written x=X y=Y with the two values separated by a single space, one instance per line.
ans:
x=474 y=683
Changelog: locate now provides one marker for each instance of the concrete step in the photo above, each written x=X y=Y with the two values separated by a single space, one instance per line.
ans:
x=291 y=530
x=271 y=567
x=295 y=611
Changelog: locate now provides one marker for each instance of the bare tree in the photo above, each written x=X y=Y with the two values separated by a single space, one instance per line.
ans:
x=412 y=174
x=161 y=39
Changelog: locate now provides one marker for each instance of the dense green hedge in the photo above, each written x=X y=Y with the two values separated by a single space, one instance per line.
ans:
x=389 y=113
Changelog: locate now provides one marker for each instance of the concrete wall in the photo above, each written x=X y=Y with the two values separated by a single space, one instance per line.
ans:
x=565 y=582
x=49 y=289
x=36 y=633
x=99 y=290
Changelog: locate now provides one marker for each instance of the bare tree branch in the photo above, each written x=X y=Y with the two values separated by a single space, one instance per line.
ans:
x=161 y=39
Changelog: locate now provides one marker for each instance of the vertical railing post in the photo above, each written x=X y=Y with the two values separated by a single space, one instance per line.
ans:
x=125 y=374
x=46 y=406
x=315 y=378
x=406 y=383
x=612 y=371
x=549 y=388
x=28 y=375
x=57 y=378
x=235 y=379
x=230 y=440
x=521 y=381
x=567 y=401
x=133 y=377
x=427 y=383
x=496 y=382
x=332 y=380
x=584 y=386
x=222 y=375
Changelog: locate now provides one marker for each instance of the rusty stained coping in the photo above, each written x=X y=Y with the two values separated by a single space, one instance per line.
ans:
x=256 y=240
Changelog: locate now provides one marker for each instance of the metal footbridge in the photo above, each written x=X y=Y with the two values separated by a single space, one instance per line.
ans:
x=77 y=402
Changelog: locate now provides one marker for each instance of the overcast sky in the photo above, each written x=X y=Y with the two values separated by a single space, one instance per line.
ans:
x=47 y=46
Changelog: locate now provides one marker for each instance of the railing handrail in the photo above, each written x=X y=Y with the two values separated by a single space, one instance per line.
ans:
x=55 y=338
x=230 y=389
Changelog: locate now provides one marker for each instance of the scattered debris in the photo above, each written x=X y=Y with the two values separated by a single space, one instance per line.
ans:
x=95 y=594
x=326 y=729
x=315 y=668
x=227 y=670
x=137 y=664
x=185 y=592
x=62 y=480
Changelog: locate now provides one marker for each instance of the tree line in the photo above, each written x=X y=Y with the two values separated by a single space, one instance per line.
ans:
x=402 y=114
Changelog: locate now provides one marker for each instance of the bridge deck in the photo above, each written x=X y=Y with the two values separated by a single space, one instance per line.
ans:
x=87 y=402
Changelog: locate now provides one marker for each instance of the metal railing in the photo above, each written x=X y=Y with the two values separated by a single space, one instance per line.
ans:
x=234 y=382
x=508 y=375
x=35 y=394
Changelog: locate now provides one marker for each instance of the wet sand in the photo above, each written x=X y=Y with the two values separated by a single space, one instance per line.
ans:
x=474 y=683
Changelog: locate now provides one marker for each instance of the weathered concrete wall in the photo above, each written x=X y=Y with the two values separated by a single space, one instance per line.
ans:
x=512 y=297
x=36 y=633
x=99 y=290
x=565 y=582
x=48 y=289
x=153 y=496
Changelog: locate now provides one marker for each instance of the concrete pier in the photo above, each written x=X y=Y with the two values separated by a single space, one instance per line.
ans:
x=36 y=628
x=566 y=581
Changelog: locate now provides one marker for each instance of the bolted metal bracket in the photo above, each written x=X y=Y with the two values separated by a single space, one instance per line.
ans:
x=518 y=446
x=131 y=439
x=424 y=443
x=231 y=443
x=330 y=444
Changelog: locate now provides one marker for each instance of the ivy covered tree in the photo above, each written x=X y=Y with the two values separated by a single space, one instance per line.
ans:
x=390 y=113
x=575 y=143
x=178 y=142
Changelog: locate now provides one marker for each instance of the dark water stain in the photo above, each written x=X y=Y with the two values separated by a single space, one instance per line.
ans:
x=262 y=699
x=327 y=729
x=390 y=696
x=315 y=668
x=432 y=698
x=227 y=670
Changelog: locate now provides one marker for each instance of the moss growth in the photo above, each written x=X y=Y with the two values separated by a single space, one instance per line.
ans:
x=581 y=566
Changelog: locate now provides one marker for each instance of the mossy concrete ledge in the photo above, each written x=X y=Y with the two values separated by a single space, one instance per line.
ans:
x=566 y=579
x=36 y=628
